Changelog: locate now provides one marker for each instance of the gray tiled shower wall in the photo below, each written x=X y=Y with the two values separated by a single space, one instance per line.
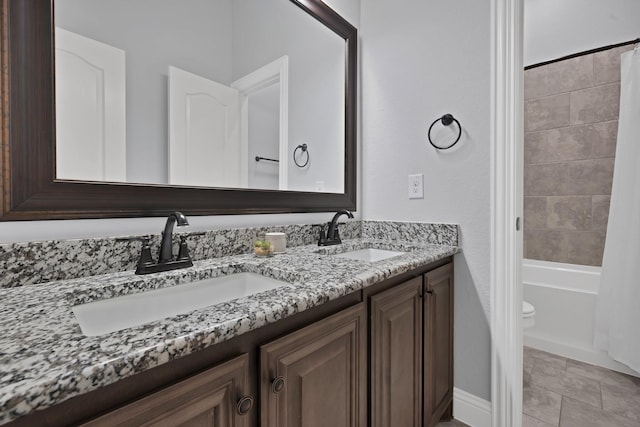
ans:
x=571 y=123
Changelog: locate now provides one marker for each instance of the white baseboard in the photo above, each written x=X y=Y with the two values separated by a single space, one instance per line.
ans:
x=471 y=409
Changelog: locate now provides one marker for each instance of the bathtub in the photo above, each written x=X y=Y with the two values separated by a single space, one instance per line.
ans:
x=564 y=296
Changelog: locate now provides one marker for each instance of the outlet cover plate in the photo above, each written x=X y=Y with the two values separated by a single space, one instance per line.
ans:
x=416 y=186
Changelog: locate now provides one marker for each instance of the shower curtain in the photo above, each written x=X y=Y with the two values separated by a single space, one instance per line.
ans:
x=618 y=304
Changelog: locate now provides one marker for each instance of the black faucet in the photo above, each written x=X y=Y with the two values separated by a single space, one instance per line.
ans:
x=166 y=262
x=166 y=246
x=333 y=236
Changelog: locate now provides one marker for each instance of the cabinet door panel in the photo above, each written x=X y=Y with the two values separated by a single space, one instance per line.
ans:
x=207 y=399
x=324 y=369
x=438 y=311
x=396 y=356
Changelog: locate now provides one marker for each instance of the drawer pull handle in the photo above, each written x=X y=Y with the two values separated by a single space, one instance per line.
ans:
x=244 y=405
x=277 y=385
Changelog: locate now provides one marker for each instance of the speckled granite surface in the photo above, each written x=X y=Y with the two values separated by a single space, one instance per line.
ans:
x=38 y=262
x=436 y=234
x=36 y=371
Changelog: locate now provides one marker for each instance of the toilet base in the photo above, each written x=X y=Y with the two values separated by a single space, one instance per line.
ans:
x=528 y=315
x=528 y=322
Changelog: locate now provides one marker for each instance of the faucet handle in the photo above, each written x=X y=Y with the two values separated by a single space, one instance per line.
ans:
x=146 y=259
x=183 y=252
x=336 y=234
x=322 y=237
x=145 y=254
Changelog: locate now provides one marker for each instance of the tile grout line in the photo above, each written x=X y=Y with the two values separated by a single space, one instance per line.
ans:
x=560 y=414
x=580 y=89
x=573 y=125
x=601 y=395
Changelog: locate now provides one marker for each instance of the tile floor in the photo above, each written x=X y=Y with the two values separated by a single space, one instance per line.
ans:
x=452 y=423
x=561 y=392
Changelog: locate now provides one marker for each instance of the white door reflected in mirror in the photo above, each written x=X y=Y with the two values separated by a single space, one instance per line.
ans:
x=204 y=132
x=90 y=109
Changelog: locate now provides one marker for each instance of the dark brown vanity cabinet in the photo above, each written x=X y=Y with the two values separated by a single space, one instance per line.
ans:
x=380 y=357
x=316 y=376
x=411 y=347
x=396 y=356
x=438 y=344
x=213 y=398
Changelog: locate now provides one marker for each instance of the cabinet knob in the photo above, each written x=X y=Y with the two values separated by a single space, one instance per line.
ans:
x=244 y=405
x=277 y=385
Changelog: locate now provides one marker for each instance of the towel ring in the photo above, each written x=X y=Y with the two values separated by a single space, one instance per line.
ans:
x=446 y=120
x=302 y=147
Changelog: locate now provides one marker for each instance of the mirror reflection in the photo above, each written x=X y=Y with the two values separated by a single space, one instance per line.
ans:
x=214 y=93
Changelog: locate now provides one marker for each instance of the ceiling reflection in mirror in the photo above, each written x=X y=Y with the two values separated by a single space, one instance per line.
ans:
x=213 y=93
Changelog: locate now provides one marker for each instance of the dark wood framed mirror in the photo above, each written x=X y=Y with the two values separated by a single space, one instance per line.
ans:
x=30 y=190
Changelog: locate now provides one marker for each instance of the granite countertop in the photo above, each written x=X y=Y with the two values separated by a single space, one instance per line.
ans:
x=45 y=359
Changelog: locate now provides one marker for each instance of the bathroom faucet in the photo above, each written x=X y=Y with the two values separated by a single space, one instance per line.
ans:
x=333 y=236
x=166 y=246
x=165 y=262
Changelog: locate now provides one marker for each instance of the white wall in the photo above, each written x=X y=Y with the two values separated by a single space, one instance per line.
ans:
x=419 y=61
x=553 y=29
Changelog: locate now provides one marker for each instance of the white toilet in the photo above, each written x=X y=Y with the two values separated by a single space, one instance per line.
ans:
x=528 y=315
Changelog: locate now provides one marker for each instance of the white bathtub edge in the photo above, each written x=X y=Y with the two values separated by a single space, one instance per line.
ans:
x=573 y=277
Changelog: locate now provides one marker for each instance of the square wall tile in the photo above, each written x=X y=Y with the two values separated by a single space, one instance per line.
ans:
x=593 y=177
x=569 y=212
x=535 y=212
x=600 y=212
x=606 y=64
x=570 y=74
x=534 y=143
x=536 y=84
x=547 y=113
x=585 y=247
x=557 y=145
x=606 y=136
x=547 y=179
x=547 y=245
x=597 y=104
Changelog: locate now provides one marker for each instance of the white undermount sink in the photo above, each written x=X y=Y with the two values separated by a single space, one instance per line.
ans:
x=370 y=254
x=114 y=314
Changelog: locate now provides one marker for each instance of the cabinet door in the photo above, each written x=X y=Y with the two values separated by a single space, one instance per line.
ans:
x=396 y=356
x=316 y=376
x=212 y=398
x=438 y=351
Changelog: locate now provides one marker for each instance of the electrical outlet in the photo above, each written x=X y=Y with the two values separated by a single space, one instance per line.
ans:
x=416 y=187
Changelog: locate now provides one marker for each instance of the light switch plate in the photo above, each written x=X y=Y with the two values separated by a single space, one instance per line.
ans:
x=416 y=187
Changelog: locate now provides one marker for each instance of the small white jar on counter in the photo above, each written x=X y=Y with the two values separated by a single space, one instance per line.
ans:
x=278 y=240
